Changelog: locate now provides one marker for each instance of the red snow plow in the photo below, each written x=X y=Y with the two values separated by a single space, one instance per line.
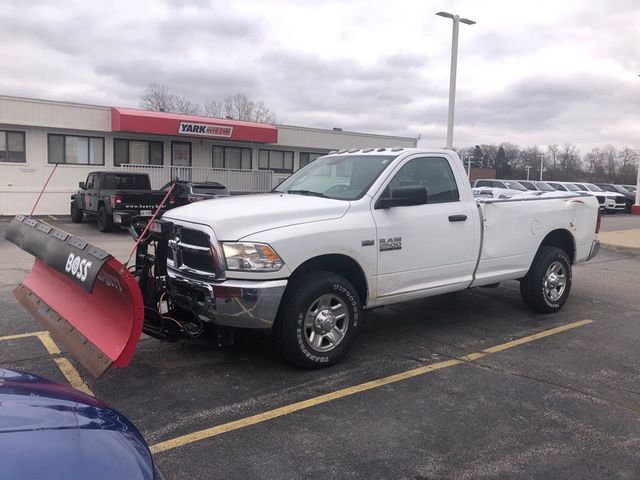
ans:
x=89 y=301
x=86 y=298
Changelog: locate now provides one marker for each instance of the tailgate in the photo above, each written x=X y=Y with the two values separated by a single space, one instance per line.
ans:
x=138 y=200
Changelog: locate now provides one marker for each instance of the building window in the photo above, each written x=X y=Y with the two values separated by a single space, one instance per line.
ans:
x=277 y=160
x=231 y=157
x=138 y=152
x=12 y=147
x=308 y=157
x=75 y=150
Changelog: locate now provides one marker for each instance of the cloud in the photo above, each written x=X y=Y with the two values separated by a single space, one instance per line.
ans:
x=529 y=72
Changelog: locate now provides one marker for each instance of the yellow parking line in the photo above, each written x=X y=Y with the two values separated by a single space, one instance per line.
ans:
x=72 y=375
x=531 y=338
x=48 y=343
x=65 y=366
x=21 y=335
x=345 y=392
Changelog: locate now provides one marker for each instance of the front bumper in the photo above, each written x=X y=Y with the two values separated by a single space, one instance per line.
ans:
x=610 y=205
x=230 y=303
x=595 y=248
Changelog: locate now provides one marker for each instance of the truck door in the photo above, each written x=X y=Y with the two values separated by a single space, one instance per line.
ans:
x=90 y=193
x=429 y=246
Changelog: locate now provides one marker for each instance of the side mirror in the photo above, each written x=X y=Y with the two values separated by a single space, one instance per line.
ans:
x=403 y=197
x=82 y=186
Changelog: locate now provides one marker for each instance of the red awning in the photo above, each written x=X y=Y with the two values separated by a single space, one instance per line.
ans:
x=161 y=123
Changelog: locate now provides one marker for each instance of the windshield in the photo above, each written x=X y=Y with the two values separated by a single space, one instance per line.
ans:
x=513 y=185
x=126 y=182
x=343 y=177
x=572 y=187
x=545 y=187
x=631 y=188
x=593 y=188
x=208 y=189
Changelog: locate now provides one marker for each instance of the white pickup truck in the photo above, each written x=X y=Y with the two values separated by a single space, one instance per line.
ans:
x=350 y=231
x=364 y=228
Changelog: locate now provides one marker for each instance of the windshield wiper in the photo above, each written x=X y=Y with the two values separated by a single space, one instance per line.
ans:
x=308 y=192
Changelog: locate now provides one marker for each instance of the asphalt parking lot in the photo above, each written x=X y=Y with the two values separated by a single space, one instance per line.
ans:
x=466 y=385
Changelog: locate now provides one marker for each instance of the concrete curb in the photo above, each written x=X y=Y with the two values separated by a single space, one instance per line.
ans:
x=627 y=241
x=620 y=248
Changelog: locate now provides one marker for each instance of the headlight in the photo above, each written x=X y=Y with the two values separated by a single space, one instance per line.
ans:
x=252 y=257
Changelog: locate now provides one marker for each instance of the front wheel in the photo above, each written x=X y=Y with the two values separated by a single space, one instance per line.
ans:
x=76 y=214
x=318 y=321
x=546 y=285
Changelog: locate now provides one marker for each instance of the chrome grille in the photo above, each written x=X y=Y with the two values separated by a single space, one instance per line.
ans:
x=192 y=252
x=198 y=260
x=194 y=237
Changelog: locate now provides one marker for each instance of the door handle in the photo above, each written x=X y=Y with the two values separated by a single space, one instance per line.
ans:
x=457 y=218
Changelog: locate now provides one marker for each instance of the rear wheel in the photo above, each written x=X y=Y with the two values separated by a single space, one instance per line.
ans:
x=319 y=320
x=76 y=213
x=546 y=286
x=105 y=222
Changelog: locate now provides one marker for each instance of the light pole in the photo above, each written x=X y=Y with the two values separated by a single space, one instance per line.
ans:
x=528 y=167
x=541 y=155
x=468 y=163
x=636 y=208
x=454 y=66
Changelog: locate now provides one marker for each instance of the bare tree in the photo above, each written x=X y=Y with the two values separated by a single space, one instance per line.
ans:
x=629 y=157
x=569 y=159
x=156 y=97
x=186 y=106
x=240 y=107
x=610 y=162
x=530 y=157
x=214 y=109
x=553 y=150
x=594 y=161
x=511 y=155
x=263 y=114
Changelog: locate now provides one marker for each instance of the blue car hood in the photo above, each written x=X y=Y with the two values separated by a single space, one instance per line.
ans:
x=52 y=431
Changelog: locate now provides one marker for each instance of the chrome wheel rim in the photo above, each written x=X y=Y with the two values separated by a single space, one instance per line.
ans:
x=555 y=281
x=326 y=323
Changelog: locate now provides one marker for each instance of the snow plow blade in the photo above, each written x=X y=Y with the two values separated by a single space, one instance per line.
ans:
x=88 y=301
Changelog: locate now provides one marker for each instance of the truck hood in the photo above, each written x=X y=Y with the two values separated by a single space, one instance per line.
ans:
x=49 y=430
x=233 y=218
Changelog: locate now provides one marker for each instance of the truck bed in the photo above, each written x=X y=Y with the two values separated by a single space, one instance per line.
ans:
x=512 y=229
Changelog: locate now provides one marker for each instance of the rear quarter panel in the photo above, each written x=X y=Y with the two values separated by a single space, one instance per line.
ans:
x=514 y=230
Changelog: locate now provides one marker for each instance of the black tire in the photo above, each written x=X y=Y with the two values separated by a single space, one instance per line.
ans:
x=294 y=338
x=105 y=222
x=76 y=213
x=538 y=289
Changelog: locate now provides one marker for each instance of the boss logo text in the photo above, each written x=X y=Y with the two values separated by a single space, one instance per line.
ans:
x=77 y=266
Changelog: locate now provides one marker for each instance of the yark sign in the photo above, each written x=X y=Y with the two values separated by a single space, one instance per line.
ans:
x=204 y=130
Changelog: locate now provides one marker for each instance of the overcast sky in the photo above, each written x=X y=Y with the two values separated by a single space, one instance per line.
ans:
x=529 y=72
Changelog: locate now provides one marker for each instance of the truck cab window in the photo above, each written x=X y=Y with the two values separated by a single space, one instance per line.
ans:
x=90 y=181
x=433 y=173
